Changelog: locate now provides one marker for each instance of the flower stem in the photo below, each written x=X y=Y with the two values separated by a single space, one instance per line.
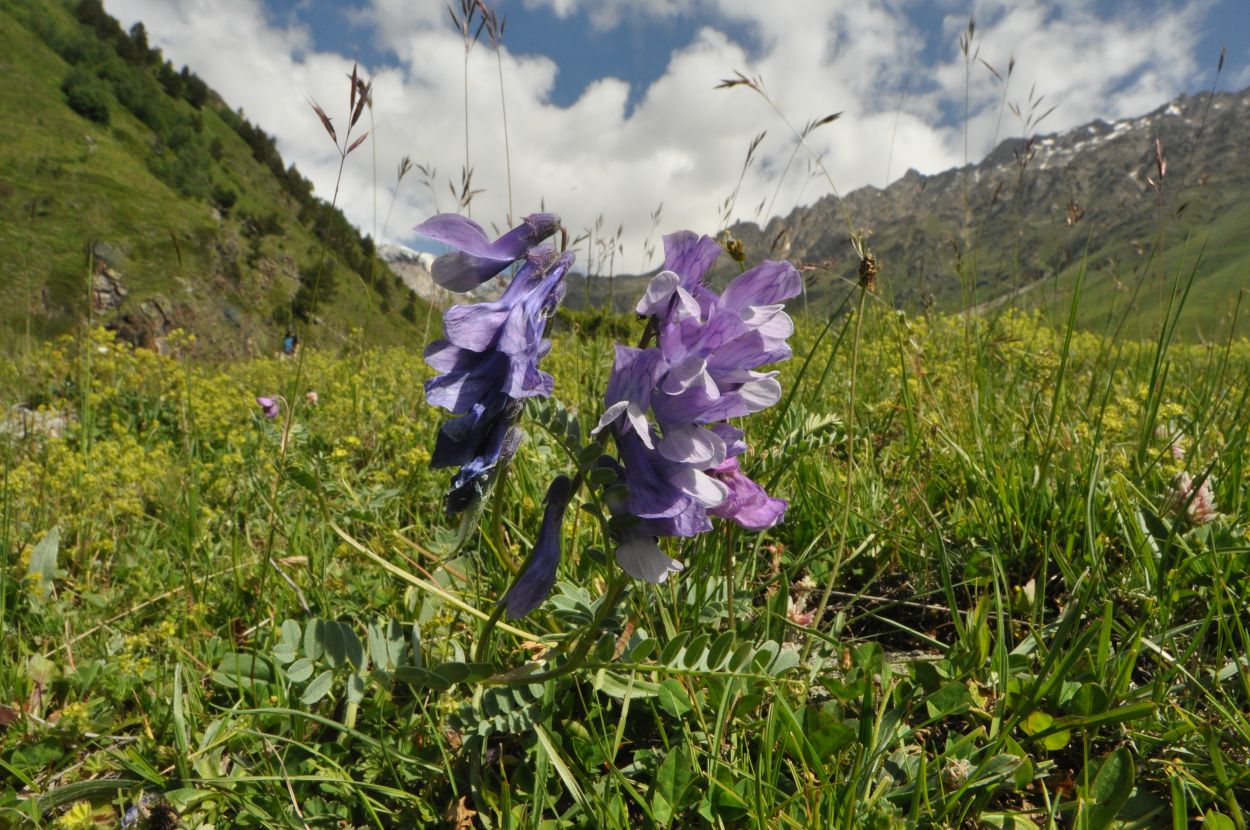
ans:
x=483 y=644
x=850 y=463
x=496 y=519
x=584 y=643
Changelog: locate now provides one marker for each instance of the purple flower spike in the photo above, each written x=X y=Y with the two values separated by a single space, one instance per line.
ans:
x=477 y=259
x=488 y=364
x=478 y=442
x=268 y=406
x=539 y=575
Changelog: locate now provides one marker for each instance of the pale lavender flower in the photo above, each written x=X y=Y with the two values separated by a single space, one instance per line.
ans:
x=668 y=404
x=268 y=406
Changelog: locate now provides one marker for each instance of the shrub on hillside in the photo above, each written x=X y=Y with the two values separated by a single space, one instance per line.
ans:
x=409 y=311
x=86 y=95
x=224 y=196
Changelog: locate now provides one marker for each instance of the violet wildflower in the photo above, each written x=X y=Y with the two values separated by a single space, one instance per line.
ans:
x=268 y=406
x=747 y=503
x=638 y=550
x=682 y=466
x=488 y=362
x=539 y=574
x=477 y=259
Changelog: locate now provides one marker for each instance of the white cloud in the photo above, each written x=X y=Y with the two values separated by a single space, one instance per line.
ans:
x=683 y=142
x=608 y=14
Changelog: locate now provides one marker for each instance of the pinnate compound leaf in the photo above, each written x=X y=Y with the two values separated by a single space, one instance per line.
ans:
x=318 y=688
x=300 y=670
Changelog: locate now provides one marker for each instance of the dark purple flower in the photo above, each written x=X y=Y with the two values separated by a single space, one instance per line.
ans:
x=497 y=346
x=538 y=576
x=268 y=406
x=488 y=364
x=478 y=442
x=477 y=259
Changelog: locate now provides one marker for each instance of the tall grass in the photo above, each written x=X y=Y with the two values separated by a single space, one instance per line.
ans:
x=1017 y=623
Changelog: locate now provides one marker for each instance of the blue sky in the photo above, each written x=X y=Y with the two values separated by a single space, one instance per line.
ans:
x=611 y=106
x=636 y=48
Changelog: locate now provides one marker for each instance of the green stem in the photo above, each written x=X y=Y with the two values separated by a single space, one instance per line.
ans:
x=850 y=463
x=584 y=643
x=483 y=643
x=496 y=519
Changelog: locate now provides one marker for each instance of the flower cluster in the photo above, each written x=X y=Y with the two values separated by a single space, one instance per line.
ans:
x=669 y=404
x=1195 y=504
x=489 y=355
x=669 y=401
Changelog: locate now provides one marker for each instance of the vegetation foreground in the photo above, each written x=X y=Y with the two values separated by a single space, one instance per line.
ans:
x=1009 y=591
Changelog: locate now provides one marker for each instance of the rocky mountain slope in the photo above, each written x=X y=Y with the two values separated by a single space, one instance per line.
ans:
x=1019 y=225
x=1023 y=219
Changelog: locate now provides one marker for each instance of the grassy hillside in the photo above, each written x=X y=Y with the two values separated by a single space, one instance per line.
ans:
x=176 y=205
x=1128 y=288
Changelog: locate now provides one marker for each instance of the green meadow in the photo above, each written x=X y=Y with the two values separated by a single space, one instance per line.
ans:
x=990 y=603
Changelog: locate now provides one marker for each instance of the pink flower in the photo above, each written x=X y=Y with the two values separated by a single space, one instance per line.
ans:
x=311 y=397
x=268 y=406
x=798 y=613
x=1195 y=505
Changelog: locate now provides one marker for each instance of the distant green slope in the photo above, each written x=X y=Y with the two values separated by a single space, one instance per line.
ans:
x=1126 y=288
x=178 y=207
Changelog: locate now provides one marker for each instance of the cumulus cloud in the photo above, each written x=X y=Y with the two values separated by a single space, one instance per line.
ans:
x=900 y=85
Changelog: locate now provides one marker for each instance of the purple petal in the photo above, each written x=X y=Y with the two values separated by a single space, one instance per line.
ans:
x=666 y=298
x=477 y=259
x=768 y=283
x=693 y=446
x=747 y=503
x=732 y=436
x=689 y=256
x=651 y=493
x=459 y=232
x=458 y=391
x=538 y=577
x=475 y=326
x=633 y=375
x=691 y=373
x=533 y=229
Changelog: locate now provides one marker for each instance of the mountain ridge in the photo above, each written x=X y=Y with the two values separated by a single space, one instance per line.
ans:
x=1034 y=209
